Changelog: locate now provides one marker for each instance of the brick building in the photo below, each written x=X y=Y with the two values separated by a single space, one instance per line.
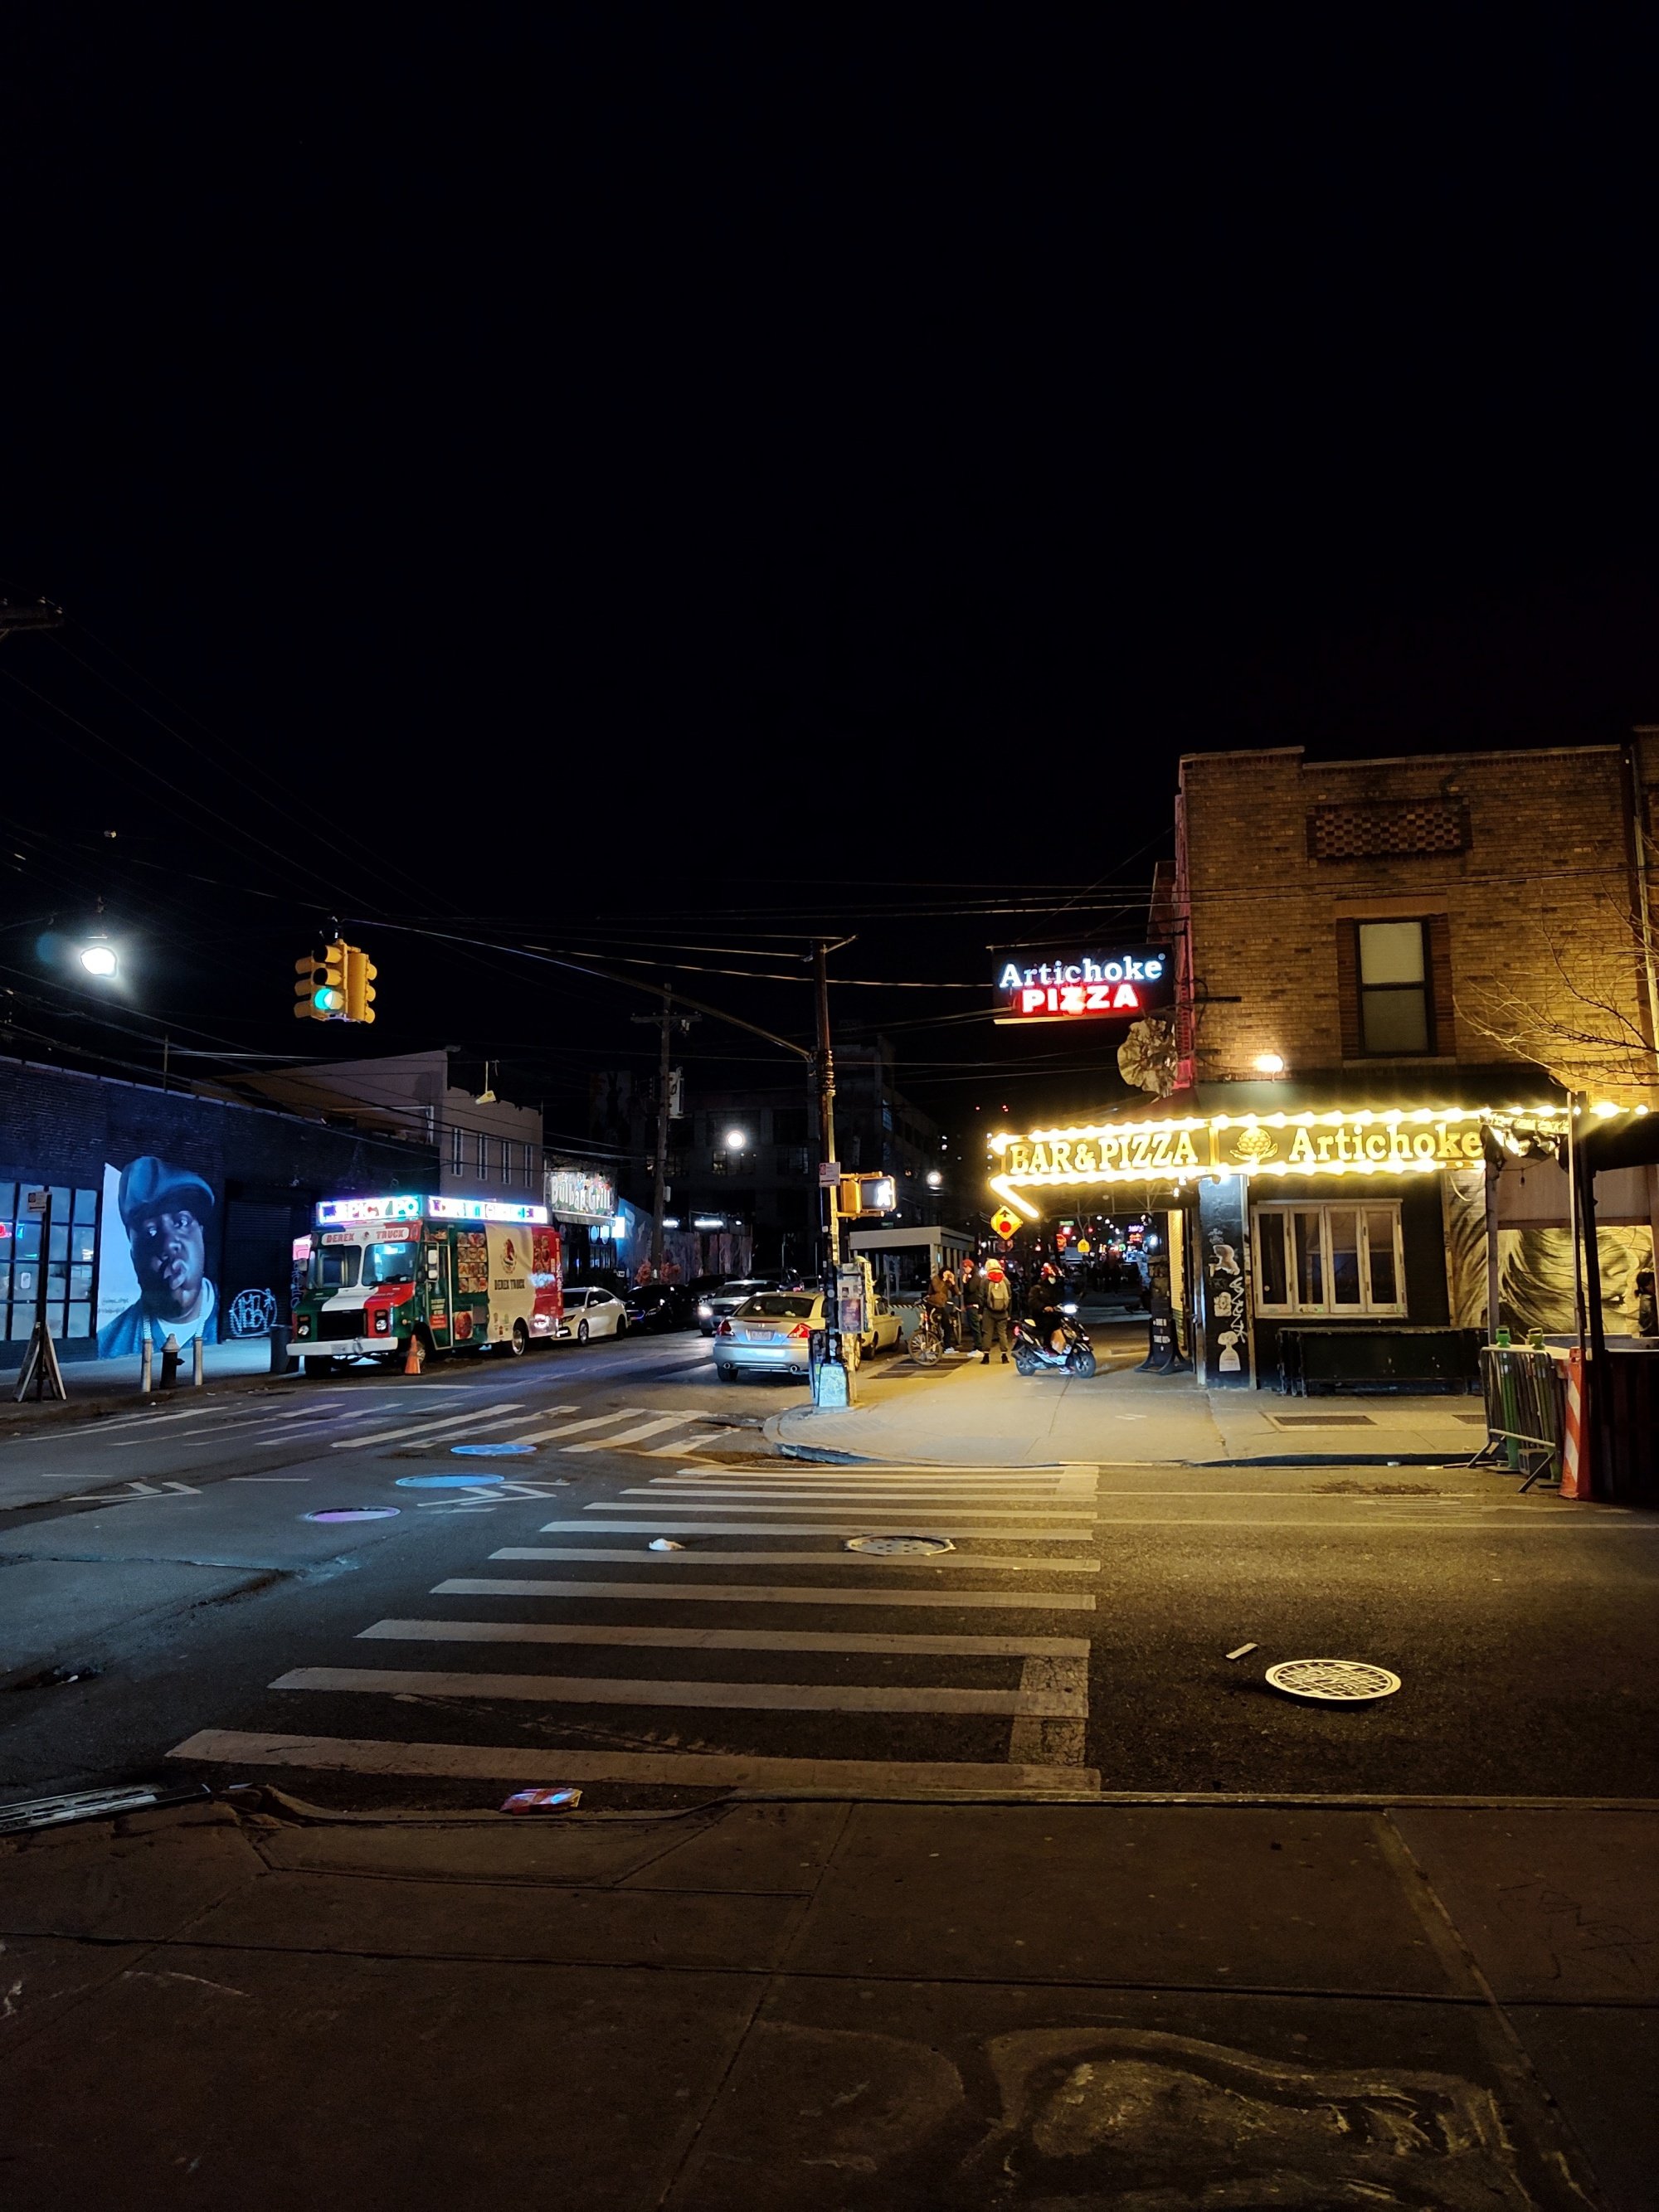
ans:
x=1389 y=973
x=250 y=1176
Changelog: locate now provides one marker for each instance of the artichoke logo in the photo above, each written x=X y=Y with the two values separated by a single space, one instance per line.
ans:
x=1254 y=1145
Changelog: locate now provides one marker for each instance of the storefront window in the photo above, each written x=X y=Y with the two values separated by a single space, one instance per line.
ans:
x=1327 y=1259
x=70 y=1257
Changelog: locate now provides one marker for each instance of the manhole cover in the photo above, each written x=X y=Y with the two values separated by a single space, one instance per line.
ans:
x=354 y=1513
x=889 y=1546
x=489 y=1451
x=1333 y=1682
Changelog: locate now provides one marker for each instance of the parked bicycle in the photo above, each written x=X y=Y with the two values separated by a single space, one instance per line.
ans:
x=928 y=1339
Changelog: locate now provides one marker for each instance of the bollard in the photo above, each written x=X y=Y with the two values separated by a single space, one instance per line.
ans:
x=147 y=1367
x=196 y=1361
x=280 y=1362
x=169 y=1363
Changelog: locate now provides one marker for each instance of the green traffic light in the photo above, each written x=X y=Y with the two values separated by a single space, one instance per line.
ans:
x=328 y=1001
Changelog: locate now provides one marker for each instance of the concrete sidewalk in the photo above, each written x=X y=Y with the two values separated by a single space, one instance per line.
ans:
x=993 y=1416
x=100 y=1387
x=830 y=2006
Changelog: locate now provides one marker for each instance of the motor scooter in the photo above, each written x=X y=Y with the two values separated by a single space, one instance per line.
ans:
x=1031 y=1349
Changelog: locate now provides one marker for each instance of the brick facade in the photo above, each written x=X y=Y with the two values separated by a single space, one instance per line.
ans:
x=1505 y=854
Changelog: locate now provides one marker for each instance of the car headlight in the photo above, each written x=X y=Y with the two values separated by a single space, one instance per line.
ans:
x=303 y=1329
x=705 y=1311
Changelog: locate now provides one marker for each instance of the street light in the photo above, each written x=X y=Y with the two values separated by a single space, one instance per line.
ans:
x=1269 y=1063
x=736 y=1139
x=98 y=958
x=934 y=1179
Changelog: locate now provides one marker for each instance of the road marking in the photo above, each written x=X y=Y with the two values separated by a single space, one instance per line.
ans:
x=469 y=1762
x=958 y=1505
x=427 y=1428
x=595 y=1421
x=619 y=1690
x=757 y=1593
x=131 y=1493
x=1043 y=1740
x=887 y=1526
x=270 y=1478
x=723 y=1639
x=642 y=1558
x=901 y=1494
x=632 y=1435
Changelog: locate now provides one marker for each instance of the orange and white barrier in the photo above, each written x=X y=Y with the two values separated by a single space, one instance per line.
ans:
x=1575 y=1447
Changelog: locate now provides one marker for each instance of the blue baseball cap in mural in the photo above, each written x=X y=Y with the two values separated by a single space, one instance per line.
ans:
x=152 y=1186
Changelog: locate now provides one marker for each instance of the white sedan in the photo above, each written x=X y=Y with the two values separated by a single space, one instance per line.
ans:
x=593 y=1313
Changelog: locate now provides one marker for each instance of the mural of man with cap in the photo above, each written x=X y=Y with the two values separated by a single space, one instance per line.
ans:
x=166 y=1211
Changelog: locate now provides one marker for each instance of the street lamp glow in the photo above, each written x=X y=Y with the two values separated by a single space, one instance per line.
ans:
x=98 y=958
x=934 y=1179
x=1269 y=1063
x=736 y=1139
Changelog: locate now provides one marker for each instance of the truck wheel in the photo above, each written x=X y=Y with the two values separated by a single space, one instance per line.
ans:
x=519 y=1343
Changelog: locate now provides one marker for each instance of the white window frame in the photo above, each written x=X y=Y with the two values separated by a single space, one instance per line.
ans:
x=1326 y=1307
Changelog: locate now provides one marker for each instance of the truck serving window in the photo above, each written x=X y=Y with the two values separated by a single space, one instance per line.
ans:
x=334 y=1267
x=390 y=1263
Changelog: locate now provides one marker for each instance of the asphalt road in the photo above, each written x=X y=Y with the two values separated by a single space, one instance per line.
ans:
x=516 y=1632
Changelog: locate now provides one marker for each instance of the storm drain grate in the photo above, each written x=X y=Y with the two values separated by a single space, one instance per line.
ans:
x=890 y=1547
x=1322 y=1420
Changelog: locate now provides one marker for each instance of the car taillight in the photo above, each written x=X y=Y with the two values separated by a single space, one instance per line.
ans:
x=725 y=1329
x=800 y=1329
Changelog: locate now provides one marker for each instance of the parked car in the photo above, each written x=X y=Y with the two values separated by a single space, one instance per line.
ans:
x=659 y=1306
x=767 y=1334
x=719 y=1304
x=590 y=1311
x=770 y=1333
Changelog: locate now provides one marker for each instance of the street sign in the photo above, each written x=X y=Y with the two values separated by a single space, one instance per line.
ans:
x=829 y=1174
x=38 y=1200
x=1005 y=1221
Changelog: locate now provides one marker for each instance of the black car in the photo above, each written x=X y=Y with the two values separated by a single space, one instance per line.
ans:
x=660 y=1306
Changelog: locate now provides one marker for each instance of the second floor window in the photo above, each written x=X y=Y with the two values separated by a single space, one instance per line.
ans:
x=1394 y=987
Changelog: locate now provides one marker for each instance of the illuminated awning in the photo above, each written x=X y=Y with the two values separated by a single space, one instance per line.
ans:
x=1366 y=1140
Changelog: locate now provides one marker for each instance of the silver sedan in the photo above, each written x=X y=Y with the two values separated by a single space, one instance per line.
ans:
x=768 y=1334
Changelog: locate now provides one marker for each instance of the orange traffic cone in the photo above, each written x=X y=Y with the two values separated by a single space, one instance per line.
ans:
x=415 y=1358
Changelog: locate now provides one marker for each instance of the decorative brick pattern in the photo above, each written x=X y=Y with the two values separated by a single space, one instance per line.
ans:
x=1384 y=828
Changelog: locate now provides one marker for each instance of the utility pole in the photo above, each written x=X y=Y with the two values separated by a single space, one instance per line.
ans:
x=826 y=1085
x=668 y=1019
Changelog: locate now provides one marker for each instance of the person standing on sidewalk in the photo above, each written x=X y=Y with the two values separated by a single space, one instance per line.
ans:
x=973 y=1305
x=997 y=1327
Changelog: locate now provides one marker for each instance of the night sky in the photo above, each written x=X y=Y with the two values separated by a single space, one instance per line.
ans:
x=651 y=487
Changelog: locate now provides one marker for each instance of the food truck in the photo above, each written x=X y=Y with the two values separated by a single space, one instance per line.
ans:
x=455 y=1274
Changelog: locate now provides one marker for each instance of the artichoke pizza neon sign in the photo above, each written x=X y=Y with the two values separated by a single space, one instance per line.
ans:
x=1367 y=1141
x=1085 y=985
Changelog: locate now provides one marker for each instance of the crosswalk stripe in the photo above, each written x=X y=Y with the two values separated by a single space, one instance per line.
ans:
x=641 y=1557
x=593 y=1421
x=424 y=1428
x=757 y=1594
x=722 y=1494
x=618 y=1689
x=958 y=1505
x=951 y=1527
x=724 y=1639
x=520 y=1764
x=651 y=1428
x=1052 y=1742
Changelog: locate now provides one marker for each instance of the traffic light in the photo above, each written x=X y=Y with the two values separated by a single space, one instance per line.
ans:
x=320 y=994
x=360 y=974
